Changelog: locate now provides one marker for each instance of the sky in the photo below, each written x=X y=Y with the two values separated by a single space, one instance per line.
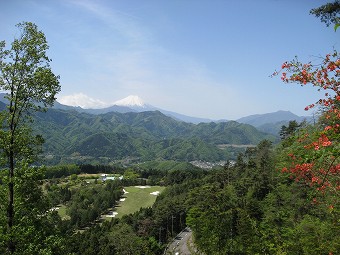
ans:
x=202 y=58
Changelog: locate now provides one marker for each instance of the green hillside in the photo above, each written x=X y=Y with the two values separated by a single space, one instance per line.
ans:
x=143 y=136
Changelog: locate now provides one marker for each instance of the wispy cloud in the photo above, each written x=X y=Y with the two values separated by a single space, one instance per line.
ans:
x=137 y=64
x=117 y=20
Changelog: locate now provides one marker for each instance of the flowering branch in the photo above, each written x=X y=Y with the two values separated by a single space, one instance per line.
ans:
x=311 y=151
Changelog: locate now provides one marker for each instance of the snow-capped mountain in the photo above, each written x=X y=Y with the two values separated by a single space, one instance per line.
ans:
x=131 y=101
x=136 y=104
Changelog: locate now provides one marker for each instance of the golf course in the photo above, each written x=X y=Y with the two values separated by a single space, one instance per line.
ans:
x=134 y=198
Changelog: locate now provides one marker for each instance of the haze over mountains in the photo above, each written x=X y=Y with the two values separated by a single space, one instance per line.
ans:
x=131 y=129
x=134 y=103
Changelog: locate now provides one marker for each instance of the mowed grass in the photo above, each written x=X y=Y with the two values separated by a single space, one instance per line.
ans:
x=137 y=198
x=62 y=212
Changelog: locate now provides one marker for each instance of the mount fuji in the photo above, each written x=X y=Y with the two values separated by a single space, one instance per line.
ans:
x=269 y=122
x=133 y=103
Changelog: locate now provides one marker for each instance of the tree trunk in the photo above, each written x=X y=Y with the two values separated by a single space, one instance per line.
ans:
x=10 y=210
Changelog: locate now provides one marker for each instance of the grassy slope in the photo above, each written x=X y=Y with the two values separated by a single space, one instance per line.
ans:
x=137 y=198
x=62 y=212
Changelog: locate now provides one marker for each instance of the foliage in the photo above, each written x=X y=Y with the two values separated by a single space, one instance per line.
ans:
x=314 y=152
x=328 y=13
x=145 y=231
x=61 y=170
x=58 y=171
x=235 y=190
x=242 y=208
x=245 y=208
x=89 y=202
x=26 y=77
x=290 y=130
x=250 y=208
x=80 y=137
x=110 y=238
x=35 y=229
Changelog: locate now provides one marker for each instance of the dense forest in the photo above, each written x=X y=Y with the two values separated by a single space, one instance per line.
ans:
x=249 y=207
x=273 y=199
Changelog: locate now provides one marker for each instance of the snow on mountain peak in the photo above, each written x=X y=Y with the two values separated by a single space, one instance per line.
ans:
x=131 y=101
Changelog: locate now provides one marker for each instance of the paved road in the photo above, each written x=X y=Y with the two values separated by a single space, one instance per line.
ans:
x=181 y=243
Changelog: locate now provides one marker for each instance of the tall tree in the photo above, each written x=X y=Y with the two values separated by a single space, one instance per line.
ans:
x=285 y=131
x=30 y=85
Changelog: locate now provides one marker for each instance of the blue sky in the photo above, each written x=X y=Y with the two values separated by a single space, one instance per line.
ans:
x=203 y=58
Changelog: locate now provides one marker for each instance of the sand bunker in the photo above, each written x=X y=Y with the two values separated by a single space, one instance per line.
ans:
x=156 y=193
x=143 y=187
x=111 y=214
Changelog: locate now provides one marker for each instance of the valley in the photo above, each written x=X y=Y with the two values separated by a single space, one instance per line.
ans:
x=87 y=170
x=73 y=137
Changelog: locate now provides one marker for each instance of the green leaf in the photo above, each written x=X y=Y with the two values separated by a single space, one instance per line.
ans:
x=336 y=26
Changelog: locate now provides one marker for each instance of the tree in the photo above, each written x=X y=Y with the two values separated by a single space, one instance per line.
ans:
x=314 y=154
x=328 y=13
x=285 y=131
x=30 y=85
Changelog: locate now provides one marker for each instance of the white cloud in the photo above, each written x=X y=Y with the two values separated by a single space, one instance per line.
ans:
x=82 y=100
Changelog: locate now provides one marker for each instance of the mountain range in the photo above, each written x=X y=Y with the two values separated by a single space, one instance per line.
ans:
x=272 y=122
x=141 y=136
x=142 y=132
x=134 y=103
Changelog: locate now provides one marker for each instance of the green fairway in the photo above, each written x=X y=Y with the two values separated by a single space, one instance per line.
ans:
x=62 y=212
x=137 y=198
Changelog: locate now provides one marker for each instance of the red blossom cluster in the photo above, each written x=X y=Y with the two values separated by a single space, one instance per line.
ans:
x=299 y=170
x=315 y=159
x=326 y=77
x=313 y=176
x=323 y=141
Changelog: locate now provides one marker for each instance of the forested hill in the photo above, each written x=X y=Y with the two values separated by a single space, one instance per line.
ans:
x=143 y=136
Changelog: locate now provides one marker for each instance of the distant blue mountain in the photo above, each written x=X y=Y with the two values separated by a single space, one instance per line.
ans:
x=132 y=106
x=272 y=122
x=261 y=119
x=269 y=122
